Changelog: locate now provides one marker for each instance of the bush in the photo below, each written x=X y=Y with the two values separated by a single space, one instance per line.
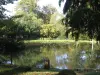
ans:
x=67 y=72
x=92 y=73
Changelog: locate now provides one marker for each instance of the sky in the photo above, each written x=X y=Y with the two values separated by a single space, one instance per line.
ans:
x=41 y=3
x=54 y=3
x=11 y=8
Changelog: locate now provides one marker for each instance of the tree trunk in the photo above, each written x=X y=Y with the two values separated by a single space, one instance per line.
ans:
x=46 y=63
x=11 y=58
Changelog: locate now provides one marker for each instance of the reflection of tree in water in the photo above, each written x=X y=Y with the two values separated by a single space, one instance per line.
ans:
x=29 y=57
x=62 y=56
x=82 y=56
x=57 y=54
x=61 y=61
x=67 y=56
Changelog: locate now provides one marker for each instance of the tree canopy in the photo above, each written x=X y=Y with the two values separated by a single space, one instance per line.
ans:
x=49 y=31
x=30 y=22
x=33 y=17
x=45 y=12
x=9 y=42
x=83 y=16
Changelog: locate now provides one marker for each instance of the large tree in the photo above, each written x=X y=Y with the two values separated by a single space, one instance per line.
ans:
x=9 y=44
x=9 y=39
x=45 y=13
x=2 y=15
x=49 y=31
x=83 y=16
x=27 y=5
x=29 y=20
x=56 y=20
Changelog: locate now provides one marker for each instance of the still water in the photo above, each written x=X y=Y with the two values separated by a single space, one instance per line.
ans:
x=61 y=56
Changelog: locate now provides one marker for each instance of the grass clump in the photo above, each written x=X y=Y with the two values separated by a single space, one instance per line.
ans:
x=66 y=72
x=39 y=73
x=92 y=73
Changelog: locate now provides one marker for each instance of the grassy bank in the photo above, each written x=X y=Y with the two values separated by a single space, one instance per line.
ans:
x=58 y=41
x=15 y=70
x=11 y=70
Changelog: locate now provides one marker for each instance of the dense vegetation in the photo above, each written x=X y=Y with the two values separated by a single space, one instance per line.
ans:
x=29 y=22
x=45 y=25
x=38 y=23
x=83 y=17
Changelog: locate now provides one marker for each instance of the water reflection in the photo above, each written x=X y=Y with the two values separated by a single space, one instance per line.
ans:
x=62 y=56
x=61 y=59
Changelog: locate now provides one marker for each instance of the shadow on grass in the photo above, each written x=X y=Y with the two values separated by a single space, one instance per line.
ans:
x=23 y=70
x=92 y=73
x=15 y=70
x=46 y=70
x=11 y=70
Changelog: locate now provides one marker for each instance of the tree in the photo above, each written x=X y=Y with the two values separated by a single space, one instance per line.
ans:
x=83 y=16
x=30 y=24
x=8 y=41
x=29 y=21
x=27 y=5
x=45 y=13
x=48 y=11
x=56 y=19
x=2 y=15
x=49 y=31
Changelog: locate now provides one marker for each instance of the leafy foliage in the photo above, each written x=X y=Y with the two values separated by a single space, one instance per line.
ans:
x=27 y=5
x=49 y=31
x=30 y=22
x=83 y=16
x=56 y=19
x=10 y=43
x=33 y=17
x=45 y=13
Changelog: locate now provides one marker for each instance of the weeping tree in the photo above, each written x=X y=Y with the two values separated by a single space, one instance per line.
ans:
x=83 y=17
x=9 y=44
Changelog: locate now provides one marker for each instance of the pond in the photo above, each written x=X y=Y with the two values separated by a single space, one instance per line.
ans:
x=61 y=56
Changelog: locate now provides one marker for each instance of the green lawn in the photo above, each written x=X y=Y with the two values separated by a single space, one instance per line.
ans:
x=57 y=41
x=13 y=70
x=4 y=68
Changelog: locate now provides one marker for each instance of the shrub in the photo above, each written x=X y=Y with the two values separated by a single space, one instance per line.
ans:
x=92 y=73
x=67 y=72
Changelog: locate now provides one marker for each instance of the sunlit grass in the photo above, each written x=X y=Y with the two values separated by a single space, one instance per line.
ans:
x=8 y=70
x=58 y=41
x=4 y=68
x=39 y=73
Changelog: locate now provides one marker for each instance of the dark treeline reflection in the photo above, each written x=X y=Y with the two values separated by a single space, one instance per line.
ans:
x=61 y=56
